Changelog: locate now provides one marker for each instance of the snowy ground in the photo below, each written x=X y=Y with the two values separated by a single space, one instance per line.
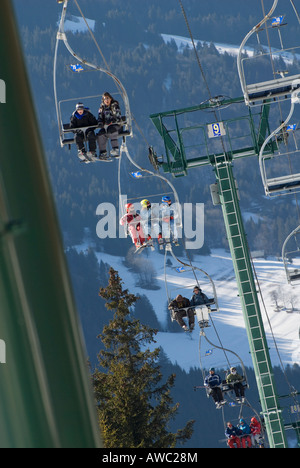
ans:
x=183 y=42
x=183 y=348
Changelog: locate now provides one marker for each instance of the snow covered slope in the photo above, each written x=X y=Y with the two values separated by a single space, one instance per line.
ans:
x=183 y=42
x=183 y=348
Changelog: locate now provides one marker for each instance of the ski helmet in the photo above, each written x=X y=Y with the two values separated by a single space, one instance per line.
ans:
x=79 y=106
x=128 y=206
x=165 y=199
x=145 y=203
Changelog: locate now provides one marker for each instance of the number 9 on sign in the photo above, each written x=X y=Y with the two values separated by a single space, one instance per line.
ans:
x=216 y=129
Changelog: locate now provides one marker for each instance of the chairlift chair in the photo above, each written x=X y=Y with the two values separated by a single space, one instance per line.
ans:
x=278 y=88
x=288 y=152
x=66 y=137
x=292 y=274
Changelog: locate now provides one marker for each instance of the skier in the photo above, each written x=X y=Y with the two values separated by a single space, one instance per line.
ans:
x=82 y=117
x=256 y=437
x=214 y=382
x=199 y=298
x=169 y=216
x=232 y=433
x=245 y=434
x=150 y=216
x=179 y=306
x=132 y=220
x=109 y=120
x=234 y=380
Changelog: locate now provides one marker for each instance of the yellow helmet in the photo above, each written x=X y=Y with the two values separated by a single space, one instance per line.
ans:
x=145 y=203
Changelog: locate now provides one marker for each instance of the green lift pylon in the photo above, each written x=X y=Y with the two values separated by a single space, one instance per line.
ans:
x=227 y=196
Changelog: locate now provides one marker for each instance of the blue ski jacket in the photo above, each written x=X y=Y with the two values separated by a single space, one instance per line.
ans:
x=212 y=380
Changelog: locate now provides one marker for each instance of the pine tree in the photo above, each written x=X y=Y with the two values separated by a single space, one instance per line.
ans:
x=134 y=407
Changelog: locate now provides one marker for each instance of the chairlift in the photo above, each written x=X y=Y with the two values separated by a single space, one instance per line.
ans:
x=63 y=106
x=192 y=275
x=139 y=182
x=292 y=274
x=213 y=361
x=285 y=160
x=275 y=89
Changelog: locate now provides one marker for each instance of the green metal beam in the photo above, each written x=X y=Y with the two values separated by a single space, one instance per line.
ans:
x=250 y=304
x=178 y=163
x=46 y=398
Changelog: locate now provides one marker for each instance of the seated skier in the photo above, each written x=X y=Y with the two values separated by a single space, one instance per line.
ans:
x=256 y=437
x=234 y=380
x=179 y=306
x=109 y=120
x=82 y=117
x=246 y=432
x=199 y=298
x=132 y=220
x=168 y=218
x=214 y=382
x=233 y=436
x=150 y=216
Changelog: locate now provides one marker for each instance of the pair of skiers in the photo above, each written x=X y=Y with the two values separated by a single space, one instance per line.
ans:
x=233 y=379
x=109 y=122
x=183 y=307
x=150 y=222
x=243 y=435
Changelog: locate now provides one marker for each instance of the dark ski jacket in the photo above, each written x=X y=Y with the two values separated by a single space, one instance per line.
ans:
x=84 y=120
x=109 y=114
x=199 y=299
x=179 y=304
x=212 y=381
x=232 y=432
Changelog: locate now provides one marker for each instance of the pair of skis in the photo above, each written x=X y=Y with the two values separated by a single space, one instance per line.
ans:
x=91 y=157
x=142 y=246
x=161 y=243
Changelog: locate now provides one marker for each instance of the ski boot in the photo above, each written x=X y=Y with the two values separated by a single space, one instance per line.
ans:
x=115 y=153
x=82 y=155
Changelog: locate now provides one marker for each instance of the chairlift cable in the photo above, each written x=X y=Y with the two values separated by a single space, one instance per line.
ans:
x=219 y=339
x=295 y=10
x=199 y=269
x=195 y=50
x=271 y=54
x=106 y=63
x=268 y=39
x=92 y=36
x=201 y=69
x=229 y=351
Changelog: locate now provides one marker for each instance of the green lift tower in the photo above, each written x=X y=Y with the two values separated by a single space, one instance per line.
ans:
x=220 y=142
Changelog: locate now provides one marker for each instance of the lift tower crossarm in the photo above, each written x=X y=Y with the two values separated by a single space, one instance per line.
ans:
x=177 y=162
